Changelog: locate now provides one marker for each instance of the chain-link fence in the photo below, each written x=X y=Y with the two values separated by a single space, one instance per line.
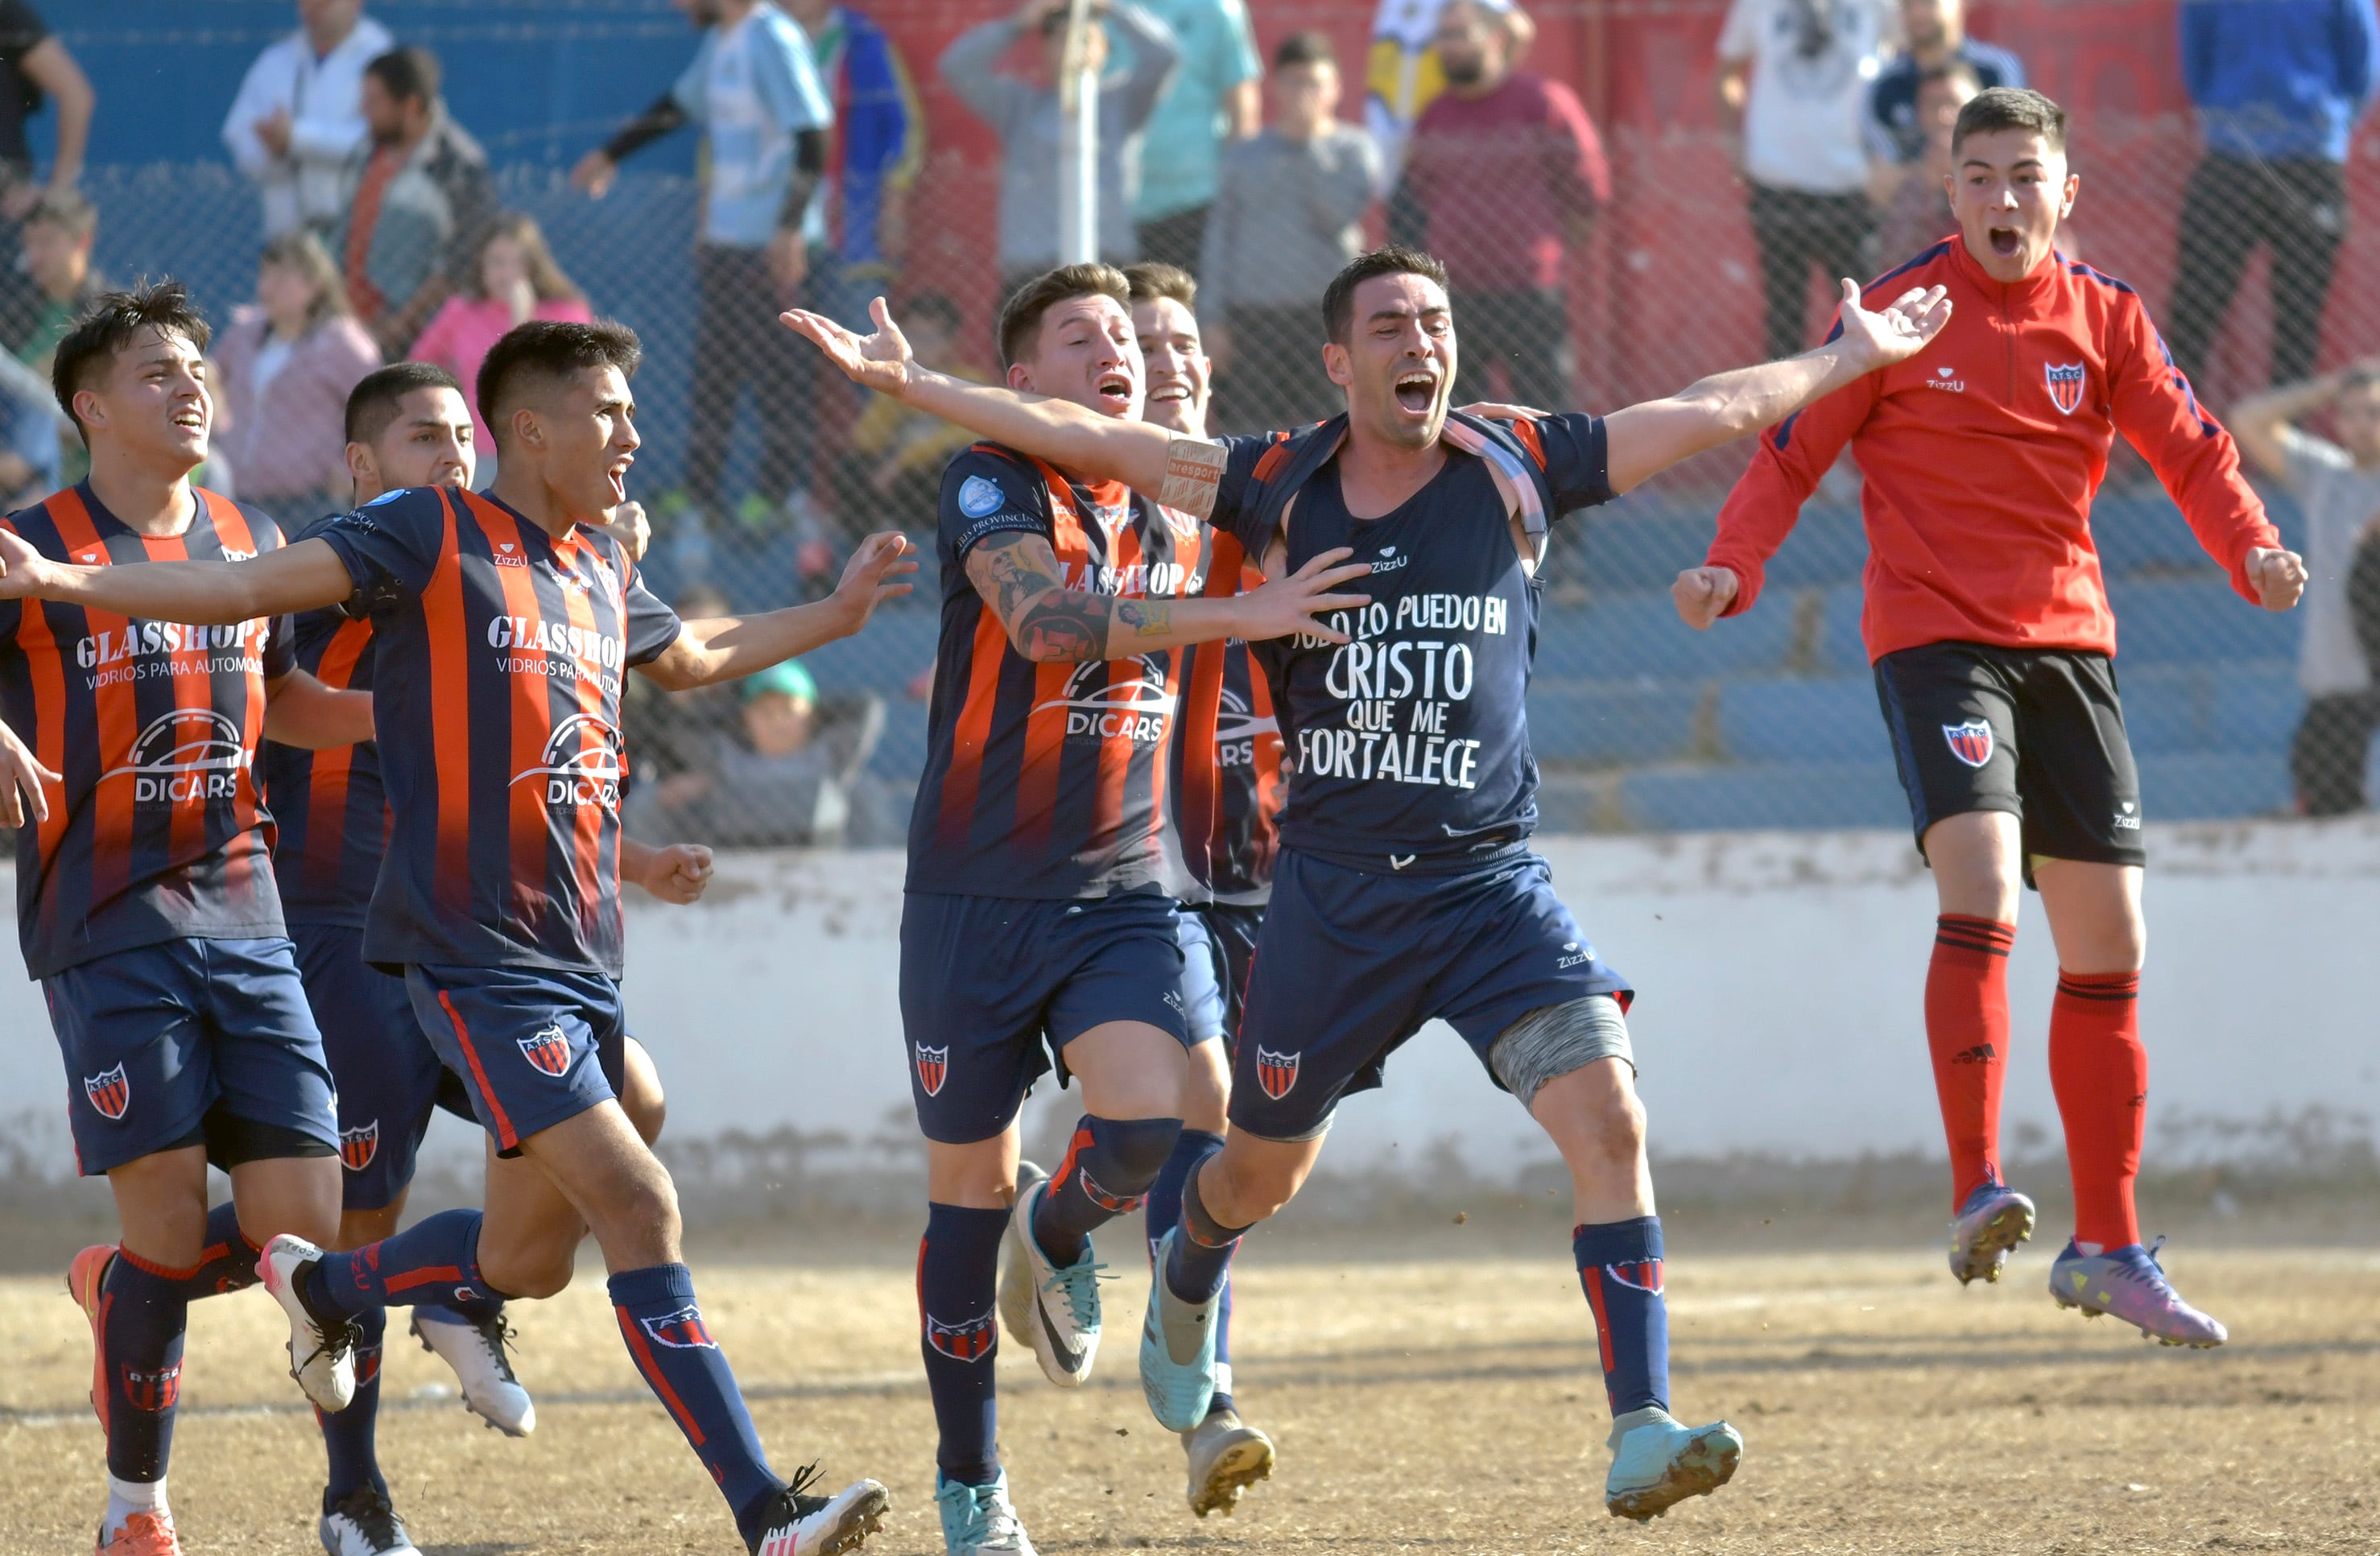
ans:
x=1679 y=268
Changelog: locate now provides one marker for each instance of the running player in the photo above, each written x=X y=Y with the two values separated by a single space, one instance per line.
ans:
x=145 y=901
x=500 y=633
x=1989 y=627
x=1404 y=889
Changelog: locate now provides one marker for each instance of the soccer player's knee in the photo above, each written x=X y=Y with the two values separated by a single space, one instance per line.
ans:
x=544 y=1273
x=1554 y=1040
x=1139 y=1148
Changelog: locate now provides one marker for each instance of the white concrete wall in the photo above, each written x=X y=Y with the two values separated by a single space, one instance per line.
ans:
x=1780 y=977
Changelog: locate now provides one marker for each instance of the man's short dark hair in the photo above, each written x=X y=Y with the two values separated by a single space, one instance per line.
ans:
x=1305 y=48
x=2018 y=108
x=375 y=401
x=410 y=74
x=111 y=325
x=1020 y=318
x=549 y=351
x=1339 y=298
x=1150 y=280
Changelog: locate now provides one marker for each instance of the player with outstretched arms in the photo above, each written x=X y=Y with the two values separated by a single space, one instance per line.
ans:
x=1993 y=645
x=1405 y=887
x=502 y=626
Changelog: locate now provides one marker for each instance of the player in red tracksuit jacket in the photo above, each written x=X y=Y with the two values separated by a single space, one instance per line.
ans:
x=1988 y=621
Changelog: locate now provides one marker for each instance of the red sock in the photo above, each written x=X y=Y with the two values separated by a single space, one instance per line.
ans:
x=2101 y=1075
x=1967 y=1029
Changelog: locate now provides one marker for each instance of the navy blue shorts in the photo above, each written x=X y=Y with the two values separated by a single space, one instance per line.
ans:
x=389 y=1077
x=1219 y=943
x=163 y=1043
x=1349 y=964
x=991 y=987
x=534 y=1045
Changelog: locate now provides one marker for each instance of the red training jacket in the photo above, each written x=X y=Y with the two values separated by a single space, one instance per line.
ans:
x=1982 y=454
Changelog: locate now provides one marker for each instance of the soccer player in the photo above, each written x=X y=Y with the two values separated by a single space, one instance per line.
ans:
x=145 y=901
x=1989 y=627
x=1403 y=887
x=502 y=627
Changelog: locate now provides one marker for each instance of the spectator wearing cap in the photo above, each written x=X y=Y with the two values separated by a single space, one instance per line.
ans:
x=1288 y=215
x=1934 y=40
x=422 y=199
x=2278 y=85
x=1504 y=177
x=1793 y=78
x=299 y=117
x=512 y=280
x=57 y=236
x=1211 y=104
x=1404 y=75
x=282 y=372
x=1025 y=118
x=785 y=781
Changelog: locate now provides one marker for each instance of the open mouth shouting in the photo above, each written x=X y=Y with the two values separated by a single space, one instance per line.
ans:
x=1417 y=391
x=2006 y=242
x=615 y=475
x=1115 y=392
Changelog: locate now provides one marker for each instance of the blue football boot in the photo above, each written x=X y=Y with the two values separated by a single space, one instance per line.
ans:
x=1657 y=1461
x=1993 y=1220
x=1177 y=1350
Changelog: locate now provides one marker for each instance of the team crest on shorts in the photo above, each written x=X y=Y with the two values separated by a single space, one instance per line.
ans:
x=933 y=1067
x=2066 y=381
x=359 y=1145
x=681 y=1331
x=109 y=1092
x=1277 y=1072
x=967 y=1340
x=548 y=1050
x=153 y=1391
x=1971 y=743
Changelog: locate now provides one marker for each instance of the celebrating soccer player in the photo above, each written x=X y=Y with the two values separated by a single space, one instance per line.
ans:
x=1989 y=627
x=1405 y=887
x=502 y=627
x=145 y=901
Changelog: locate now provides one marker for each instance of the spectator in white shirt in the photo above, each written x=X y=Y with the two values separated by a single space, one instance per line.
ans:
x=299 y=115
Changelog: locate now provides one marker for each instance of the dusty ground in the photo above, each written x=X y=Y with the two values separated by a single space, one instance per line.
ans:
x=1445 y=1405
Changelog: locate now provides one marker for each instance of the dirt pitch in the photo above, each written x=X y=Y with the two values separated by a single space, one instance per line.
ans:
x=1440 y=1405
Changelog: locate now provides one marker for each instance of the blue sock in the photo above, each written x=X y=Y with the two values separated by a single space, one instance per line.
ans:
x=228 y=1261
x=144 y=1314
x=434 y=1261
x=958 y=1271
x=347 y=1437
x=1202 y=1255
x=1109 y=1166
x=683 y=1365
x=1165 y=1214
x=1619 y=1266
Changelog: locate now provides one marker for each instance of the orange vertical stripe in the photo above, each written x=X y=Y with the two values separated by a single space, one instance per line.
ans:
x=586 y=833
x=248 y=850
x=116 y=713
x=528 y=837
x=446 y=631
x=964 y=780
x=333 y=770
x=505 y=1138
x=1045 y=726
x=45 y=669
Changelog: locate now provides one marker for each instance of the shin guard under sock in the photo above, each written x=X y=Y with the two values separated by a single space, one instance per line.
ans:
x=1967 y=1030
x=958 y=1274
x=1620 y=1267
x=1164 y=1214
x=1202 y=1254
x=1110 y=1164
x=227 y=1263
x=143 y=1313
x=2100 y=1072
x=684 y=1366
x=349 y=1437
x=434 y=1261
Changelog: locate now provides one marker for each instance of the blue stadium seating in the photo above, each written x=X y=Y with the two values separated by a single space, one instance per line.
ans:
x=1576 y=724
x=1621 y=636
x=2195 y=621
x=2205 y=787
x=1765 y=794
x=898 y=643
x=1840 y=651
x=1829 y=719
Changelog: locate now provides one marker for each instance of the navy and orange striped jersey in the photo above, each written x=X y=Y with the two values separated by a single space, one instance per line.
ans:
x=1227 y=781
x=497 y=656
x=160 y=831
x=1048 y=780
x=329 y=804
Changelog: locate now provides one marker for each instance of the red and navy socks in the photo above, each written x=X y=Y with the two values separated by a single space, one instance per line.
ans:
x=2100 y=1072
x=227 y=1259
x=349 y=1437
x=1619 y=1269
x=144 y=1311
x=958 y=1274
x=1164 y=1214
x=435 y=1260
x=1110 y=1164
x=1202 y=1255
x=1967 y=1030
x=682 y=1364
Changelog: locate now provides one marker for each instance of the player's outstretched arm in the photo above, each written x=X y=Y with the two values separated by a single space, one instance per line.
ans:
x=301 y=711
x=677 y=873
x=21 y=776
x=1017 y=575
x=1138 y=454
x=1645 y=440
x=211 y=594
x=730 y=647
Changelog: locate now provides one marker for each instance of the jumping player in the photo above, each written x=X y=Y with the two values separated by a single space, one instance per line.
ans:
x=1404 y=889
x=500 y=633
x=145 y=901
x=1989 y=627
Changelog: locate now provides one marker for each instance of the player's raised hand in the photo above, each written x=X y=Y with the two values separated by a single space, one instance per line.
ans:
x=594 y=174
x=20 y=566
x=878 y=361
x=1294 y=604
x=2280 y=577
x=1701 y=592
x=21 y=774
x=868 y=578
x=678 y=873
x=1894 y=334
